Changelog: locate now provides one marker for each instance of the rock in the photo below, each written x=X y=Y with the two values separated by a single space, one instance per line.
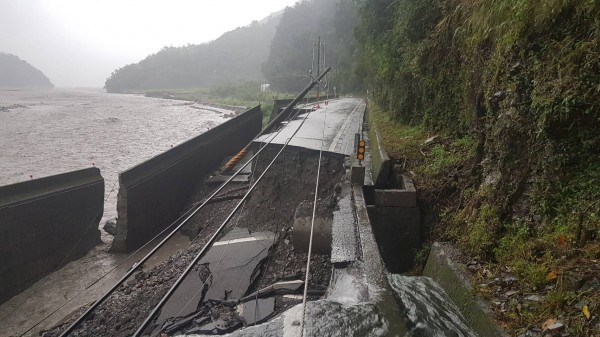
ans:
x=556 y=326
x=510 y=293
x=509 y=279
x=533 y=298
x=473 y=267
x=591 y=284
x=579 y=305
x=430 y=140
x=110 y=227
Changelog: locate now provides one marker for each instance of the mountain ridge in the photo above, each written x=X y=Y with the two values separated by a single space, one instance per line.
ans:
x=200 y=65
x=18 y=73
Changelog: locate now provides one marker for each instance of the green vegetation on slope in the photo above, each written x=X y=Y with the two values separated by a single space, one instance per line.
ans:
x=244 y=95
x=511 y=89
x=16 y=73
x=290 y=57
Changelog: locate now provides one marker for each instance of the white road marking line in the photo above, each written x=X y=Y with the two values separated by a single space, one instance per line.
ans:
x=248 y=239
x=337 y=137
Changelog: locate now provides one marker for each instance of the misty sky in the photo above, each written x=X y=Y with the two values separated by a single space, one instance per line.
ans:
x=78 y=43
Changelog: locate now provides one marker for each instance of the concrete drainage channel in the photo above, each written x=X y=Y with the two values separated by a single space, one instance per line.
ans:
x=441 y=302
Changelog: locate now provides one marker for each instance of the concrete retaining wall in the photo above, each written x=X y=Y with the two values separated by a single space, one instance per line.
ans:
x=153 y=193
x=381 y=164
x=45 y=223
x=396 y=221
x=453 y=277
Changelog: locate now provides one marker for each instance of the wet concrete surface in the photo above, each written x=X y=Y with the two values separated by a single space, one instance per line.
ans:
x=128 y=306
x=337 y=121
x=290 y=183
x=24 y=310
x=324 y=318
x=344 y=243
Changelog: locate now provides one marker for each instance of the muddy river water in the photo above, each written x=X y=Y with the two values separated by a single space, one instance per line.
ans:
x=46 y=132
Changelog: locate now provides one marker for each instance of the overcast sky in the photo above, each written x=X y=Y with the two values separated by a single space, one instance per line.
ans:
x=78 y=43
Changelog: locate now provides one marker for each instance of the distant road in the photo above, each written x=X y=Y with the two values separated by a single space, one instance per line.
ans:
x=341 y=118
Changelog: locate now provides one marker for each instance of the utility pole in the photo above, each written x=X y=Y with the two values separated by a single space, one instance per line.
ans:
x=312 y=65
x=324 y=63
x=318 y=64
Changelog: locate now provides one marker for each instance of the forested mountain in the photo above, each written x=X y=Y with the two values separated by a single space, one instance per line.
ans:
x=278 y=48
x=235 y=56
x=290 y=56
x=17 y=73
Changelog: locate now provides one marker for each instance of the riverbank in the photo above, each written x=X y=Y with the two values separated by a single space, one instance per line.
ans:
x=234 y=97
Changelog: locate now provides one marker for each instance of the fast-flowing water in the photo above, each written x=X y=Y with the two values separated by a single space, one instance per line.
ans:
x=429 y=311
x=426 y=309
x=46 y=132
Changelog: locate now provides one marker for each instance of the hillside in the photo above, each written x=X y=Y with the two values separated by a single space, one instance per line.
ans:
x=278 y=49
x=235 y=56
x=290 y=55
x=494 y=108
x=17 y=73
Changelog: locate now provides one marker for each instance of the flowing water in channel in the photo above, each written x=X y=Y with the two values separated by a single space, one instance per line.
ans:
x=47 y=132
x=429 y=311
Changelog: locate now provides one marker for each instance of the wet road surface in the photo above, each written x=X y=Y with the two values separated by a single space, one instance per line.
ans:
x=335 y=122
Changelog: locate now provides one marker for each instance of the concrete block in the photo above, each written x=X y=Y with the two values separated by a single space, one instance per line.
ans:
x=322 y=230
x=381 y=163
x=398 y=234
x=153 y=193
x=396 y=198
x=46 y=223
x=357 y=175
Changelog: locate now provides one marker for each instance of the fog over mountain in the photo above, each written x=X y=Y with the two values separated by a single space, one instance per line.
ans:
x=79 y=43
x=235 y=56
x=17 y=73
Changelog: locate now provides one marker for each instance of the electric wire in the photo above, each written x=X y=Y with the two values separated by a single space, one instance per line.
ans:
x=171 y=290
x=187 y=215
x=312 y=225
x=268 y=264
x=201 y=288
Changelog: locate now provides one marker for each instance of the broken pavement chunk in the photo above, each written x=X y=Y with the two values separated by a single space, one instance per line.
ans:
x=257 y=310
x=281 y=287
x=233 y=264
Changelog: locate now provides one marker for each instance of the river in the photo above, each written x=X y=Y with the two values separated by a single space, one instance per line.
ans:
x=47 y=132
